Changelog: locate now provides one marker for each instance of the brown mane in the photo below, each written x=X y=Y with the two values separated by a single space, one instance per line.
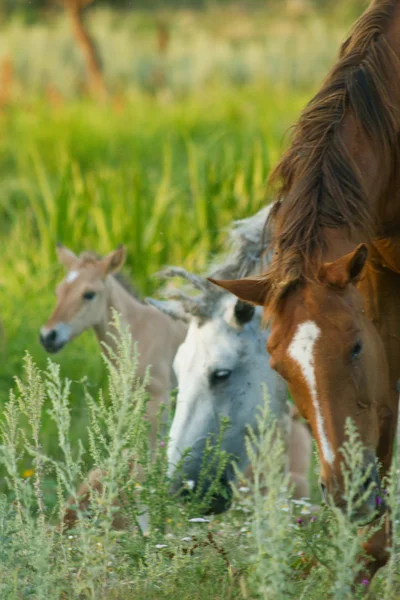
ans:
x=319 y=183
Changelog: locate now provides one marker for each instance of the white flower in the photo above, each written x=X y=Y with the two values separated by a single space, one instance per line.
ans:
x=199 y=520
x=159 y=546
x=190 y=484
x=186 y=539
x=244 y=489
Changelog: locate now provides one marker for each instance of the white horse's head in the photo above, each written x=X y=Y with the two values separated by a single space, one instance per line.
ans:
x=222 y=366
x=222 y=369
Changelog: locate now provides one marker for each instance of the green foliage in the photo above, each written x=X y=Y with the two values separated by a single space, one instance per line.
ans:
x=266 y=546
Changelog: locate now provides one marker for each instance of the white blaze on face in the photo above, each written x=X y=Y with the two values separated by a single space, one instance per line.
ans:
x=301 y=349
x=72 y=275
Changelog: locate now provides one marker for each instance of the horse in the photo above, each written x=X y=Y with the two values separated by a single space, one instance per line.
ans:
x=222 y=369
x=86 y=298
x=331 y=290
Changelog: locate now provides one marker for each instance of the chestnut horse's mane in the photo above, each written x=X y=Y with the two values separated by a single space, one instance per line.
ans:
x=319 y=183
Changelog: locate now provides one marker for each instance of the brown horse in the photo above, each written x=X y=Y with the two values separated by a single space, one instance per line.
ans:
x=335 y=322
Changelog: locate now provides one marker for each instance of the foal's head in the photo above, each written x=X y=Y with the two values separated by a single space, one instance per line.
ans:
x=81 y=296
x=332 y=358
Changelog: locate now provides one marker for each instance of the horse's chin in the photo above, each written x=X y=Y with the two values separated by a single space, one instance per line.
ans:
x=54 y=349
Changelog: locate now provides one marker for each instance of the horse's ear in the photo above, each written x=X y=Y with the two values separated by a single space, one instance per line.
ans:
x=66 y=257
x=114 y=261
x=346 y=269
x=253 y=290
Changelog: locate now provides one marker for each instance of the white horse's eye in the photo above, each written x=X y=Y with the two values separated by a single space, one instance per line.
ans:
x=219 y=375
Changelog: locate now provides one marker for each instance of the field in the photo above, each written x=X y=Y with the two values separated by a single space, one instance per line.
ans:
x=183 y=145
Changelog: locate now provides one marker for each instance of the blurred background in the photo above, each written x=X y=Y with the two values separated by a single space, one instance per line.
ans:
x=151 y=123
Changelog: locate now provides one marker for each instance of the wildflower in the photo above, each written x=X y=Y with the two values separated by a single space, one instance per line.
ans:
x=244 y=489
x=190 y=484
x=28 y=473
x=302 y=502
x=299 y=521
x=365 y=582
x=285 y=508
x=186 y=539
x=162 y=444
x=305 y=511
x=160 y=546
x=199 y=520
x=378 y=501
x=313 y=519
x=169 y=520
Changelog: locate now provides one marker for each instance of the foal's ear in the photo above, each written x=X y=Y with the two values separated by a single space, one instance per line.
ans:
x=66 y=257
x=346 y=269
x=114 y=261
x=253 y=290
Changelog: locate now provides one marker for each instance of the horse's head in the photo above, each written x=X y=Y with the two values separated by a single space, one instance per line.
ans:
x=220 y=368
x=81 y=296
x=332 y=358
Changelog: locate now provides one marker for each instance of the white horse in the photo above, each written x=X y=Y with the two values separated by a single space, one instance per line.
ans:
x=222 y=369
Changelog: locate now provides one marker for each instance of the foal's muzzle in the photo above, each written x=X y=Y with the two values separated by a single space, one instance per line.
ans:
x=51 y=341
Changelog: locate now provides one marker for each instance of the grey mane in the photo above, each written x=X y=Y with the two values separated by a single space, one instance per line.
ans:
x=247 y=246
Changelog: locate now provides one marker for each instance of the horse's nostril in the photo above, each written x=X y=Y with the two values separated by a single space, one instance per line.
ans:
x=323 y=489
x=52 y=336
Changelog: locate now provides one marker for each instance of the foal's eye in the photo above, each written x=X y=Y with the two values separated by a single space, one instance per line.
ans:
x=219 y=375
x=89 y=295
x=356 y=350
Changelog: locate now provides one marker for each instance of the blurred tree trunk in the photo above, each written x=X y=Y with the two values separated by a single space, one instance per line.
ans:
x=74 y=9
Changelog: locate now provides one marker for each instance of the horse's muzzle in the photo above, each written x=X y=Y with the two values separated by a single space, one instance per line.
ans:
x=50 y=341
x=368 y=503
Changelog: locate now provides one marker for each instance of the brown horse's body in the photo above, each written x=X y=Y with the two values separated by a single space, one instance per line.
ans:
x=339 y=349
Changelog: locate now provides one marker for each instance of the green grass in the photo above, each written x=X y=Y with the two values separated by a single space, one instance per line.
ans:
x=164 y=180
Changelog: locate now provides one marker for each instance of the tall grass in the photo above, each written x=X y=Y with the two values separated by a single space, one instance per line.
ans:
x=266 y=546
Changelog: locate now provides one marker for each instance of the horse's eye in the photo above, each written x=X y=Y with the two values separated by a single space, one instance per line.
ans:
x=89 y=295
x=220 y=375
x=356 y=350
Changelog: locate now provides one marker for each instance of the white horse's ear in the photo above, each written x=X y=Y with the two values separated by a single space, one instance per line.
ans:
x=66 y=257
x=172 y=308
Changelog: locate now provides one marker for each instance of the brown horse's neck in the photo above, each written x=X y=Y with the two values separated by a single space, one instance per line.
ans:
x=376 y=170
x=141 y=319
x=158 y=336
x=126 y=305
